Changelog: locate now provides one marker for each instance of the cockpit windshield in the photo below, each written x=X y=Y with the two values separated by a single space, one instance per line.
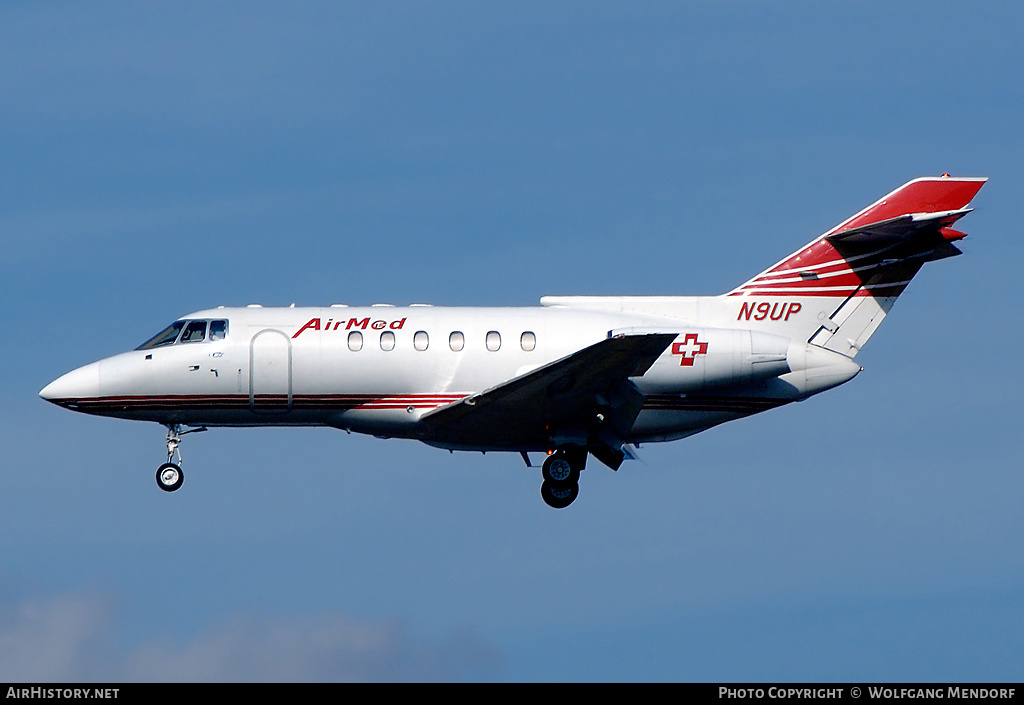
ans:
x=165 y=337
x=187 y=332
x=195 y=332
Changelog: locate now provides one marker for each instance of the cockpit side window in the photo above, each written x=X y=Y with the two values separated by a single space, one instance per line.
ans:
x=195 y=332
x=165 y=337
x=218 y=330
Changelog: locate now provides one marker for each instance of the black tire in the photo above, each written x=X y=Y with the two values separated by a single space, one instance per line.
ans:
x=559 y=469
x=559 y=494
x=169 y=477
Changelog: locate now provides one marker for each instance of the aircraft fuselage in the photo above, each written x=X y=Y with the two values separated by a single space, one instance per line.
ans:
x=378 y=369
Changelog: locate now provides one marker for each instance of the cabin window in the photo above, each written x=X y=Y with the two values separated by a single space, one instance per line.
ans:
x=456 y=341
x=420 y=340
x=218 y=330
x=387 y=340
x=355 y=341
x=195 y=332
x=528 y=340
x=493 y=340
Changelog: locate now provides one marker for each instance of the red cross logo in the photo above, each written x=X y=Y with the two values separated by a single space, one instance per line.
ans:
x=689 y=349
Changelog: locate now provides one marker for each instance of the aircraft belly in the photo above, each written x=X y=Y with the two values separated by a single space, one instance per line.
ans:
x=672 y=416
x=663 y=425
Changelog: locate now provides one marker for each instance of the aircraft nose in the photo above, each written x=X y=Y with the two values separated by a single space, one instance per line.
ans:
x=77 y=384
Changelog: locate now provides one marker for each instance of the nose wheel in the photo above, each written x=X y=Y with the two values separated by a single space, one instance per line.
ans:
x=169 y=475
x=561 y=472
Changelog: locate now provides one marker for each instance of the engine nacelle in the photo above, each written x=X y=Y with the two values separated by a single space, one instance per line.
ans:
x=702 y=358
x=815 y=369
x=717 y=357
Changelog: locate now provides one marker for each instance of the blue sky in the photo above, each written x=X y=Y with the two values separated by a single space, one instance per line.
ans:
x=161 y=158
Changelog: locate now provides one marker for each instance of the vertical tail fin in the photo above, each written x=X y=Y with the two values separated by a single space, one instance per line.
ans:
x=851 y=276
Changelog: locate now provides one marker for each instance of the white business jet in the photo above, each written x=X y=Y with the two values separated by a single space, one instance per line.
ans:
x=575 y=377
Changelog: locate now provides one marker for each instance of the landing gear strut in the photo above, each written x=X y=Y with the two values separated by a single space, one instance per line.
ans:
x=561 y=472
x=169 y=475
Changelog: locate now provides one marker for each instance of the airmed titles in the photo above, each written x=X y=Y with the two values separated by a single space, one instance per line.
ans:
x=358 y=323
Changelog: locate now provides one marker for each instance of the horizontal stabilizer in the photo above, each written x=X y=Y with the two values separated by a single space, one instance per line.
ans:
x=903 y=226
x=910 y=225
x=931 y=196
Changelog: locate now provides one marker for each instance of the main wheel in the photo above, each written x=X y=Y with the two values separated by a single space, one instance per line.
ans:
x=169 y=477
x=558 y=469
x=559 y=494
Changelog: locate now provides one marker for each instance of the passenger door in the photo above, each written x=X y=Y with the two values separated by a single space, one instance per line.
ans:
x=270 y=372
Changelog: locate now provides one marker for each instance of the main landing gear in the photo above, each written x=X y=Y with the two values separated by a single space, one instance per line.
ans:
x=169 y=475
x=561 y=471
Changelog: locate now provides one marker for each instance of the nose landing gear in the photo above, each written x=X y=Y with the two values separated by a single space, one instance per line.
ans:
x=169 y=475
